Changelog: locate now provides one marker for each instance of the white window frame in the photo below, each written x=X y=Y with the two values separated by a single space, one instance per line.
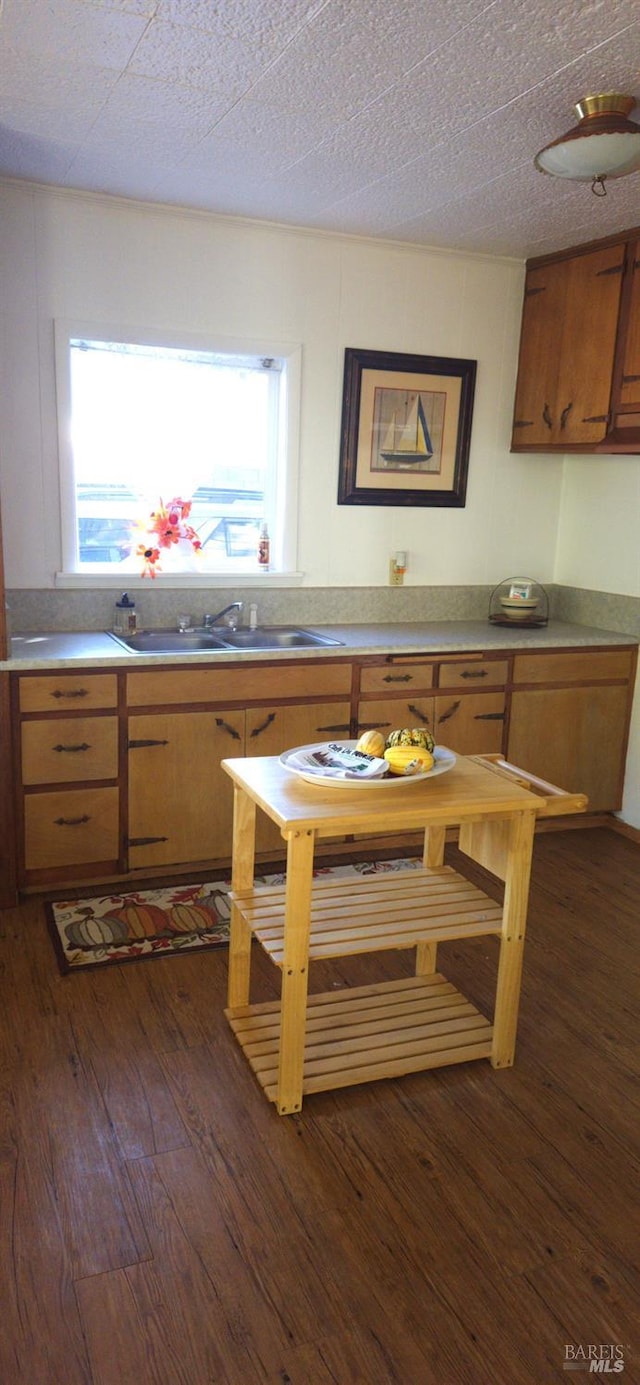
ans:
x=281 y=507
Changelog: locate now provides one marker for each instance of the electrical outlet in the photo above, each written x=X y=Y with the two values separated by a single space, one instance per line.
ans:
x=396 y=575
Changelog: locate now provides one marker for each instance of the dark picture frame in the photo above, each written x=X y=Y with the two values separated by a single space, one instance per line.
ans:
x=406 y=428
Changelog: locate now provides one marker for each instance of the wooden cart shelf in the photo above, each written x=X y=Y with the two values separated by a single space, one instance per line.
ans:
x=366 y=1033
x=374 y=913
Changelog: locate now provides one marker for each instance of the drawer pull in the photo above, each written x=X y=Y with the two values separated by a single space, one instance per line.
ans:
x=141 y=745
x=489 y=716
x=416 y=712
x=446 y=716
x=145 y=841
x=231 y=730
x=474 y=673
x=72 y=822
x=71 y=749
x=70 y=692
x=398 y=678
x=257 y=730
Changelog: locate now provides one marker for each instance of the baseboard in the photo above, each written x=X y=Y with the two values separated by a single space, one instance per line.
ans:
x=624 y=829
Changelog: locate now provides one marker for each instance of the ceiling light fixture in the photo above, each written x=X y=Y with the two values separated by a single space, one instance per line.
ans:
x=604 y=144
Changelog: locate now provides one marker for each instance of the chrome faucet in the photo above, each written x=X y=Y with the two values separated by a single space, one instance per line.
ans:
x=232 y=612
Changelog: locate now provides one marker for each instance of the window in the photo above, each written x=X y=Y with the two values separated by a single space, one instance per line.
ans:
x=144 y=421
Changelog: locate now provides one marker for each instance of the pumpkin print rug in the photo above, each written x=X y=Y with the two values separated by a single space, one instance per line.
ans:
x=160 y=923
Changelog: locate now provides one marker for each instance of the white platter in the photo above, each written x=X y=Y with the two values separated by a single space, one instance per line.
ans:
x=444 y=760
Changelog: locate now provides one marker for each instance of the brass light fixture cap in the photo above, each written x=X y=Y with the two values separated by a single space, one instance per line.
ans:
x=606 y=103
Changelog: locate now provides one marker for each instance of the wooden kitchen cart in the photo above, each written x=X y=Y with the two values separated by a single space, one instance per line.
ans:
x=307 y=1043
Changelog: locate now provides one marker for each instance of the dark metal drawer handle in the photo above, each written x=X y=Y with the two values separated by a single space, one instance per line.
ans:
x=231 y=730
x=72 y=822
x=257 y=730
x=142 y=745
x=451 y=712
x=398 y=678
x=417 y=712
x=145 y=841
x=72 y=692
x=71 y=749
x=474 y=673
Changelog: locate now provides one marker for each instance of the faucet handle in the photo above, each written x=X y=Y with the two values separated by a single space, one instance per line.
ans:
x=207 y=621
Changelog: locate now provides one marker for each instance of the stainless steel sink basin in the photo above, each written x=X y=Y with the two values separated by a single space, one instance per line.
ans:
x=169 y=641
x=202 y=641
x=277 y=637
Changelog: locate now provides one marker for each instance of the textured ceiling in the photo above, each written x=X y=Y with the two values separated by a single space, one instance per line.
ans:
x=414 y=120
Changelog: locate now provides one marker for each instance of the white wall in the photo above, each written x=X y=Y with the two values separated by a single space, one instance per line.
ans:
x=71 y=255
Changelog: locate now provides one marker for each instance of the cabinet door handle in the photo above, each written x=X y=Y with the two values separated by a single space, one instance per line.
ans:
x=72 y=822
x=230 y=730
x=398 y=678
x=71 y=749
x=446 y=716
x=489 y=716
x=70 y=692
x=344 y=726
x=371 y=726
x=417 y=712
x=630 y=379
x=523 y=423
x=565 y=414
x=257 y=730
x=600 y=418
x=141 y=745
x=474 y=673
x=546 y=416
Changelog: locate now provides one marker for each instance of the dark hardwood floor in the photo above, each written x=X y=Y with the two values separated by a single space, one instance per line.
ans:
x=162 y=1225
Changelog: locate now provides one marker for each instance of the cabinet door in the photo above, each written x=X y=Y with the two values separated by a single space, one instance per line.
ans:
x=180 y=800
x=574 y=737
x=472 y=725
x=271 y=730
x=565 y=372
x=630 y=383
x=543 y=311
x=391 y=713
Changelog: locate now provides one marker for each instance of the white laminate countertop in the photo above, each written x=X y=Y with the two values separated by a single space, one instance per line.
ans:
x=97 y=648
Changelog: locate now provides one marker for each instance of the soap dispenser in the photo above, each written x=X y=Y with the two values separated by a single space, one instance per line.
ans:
x=124 y=616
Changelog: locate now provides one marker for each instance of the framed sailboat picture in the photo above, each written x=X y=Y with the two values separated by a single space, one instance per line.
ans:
x=406 y=429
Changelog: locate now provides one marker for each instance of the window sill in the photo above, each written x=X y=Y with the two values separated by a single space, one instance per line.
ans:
x=134 y=582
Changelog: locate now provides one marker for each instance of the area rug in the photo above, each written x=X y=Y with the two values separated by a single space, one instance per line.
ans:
x=160 y=923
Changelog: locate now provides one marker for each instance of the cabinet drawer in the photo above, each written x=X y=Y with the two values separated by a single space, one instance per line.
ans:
x=71 y=828
x=73 y=748
x=585 y=666
x=396 y=677
x=246 y=684
x=474 y=674
x=68 y=690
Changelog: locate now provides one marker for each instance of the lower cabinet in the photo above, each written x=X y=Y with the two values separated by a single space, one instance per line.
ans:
x=181 y=801
x=575 y=737
x=470 y=725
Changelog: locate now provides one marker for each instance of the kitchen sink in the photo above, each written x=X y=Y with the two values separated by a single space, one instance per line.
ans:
x=169 y=641
x=276 y=637
x=203 y=641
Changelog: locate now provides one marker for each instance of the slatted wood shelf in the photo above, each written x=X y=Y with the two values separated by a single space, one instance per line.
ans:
x=368 y=1032
x=370 y=913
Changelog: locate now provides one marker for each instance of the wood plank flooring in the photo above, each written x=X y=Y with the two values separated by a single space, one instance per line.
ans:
x=160 y=1224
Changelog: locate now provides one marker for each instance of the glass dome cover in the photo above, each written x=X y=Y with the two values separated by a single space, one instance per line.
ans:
x=517 y=602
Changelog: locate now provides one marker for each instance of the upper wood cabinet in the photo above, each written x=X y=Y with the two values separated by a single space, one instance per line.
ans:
x=578 y=387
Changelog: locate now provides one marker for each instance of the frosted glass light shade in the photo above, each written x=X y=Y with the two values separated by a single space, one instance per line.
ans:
x=605 y=143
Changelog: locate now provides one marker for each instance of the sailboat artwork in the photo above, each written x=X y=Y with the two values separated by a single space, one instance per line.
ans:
x=409 y=442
